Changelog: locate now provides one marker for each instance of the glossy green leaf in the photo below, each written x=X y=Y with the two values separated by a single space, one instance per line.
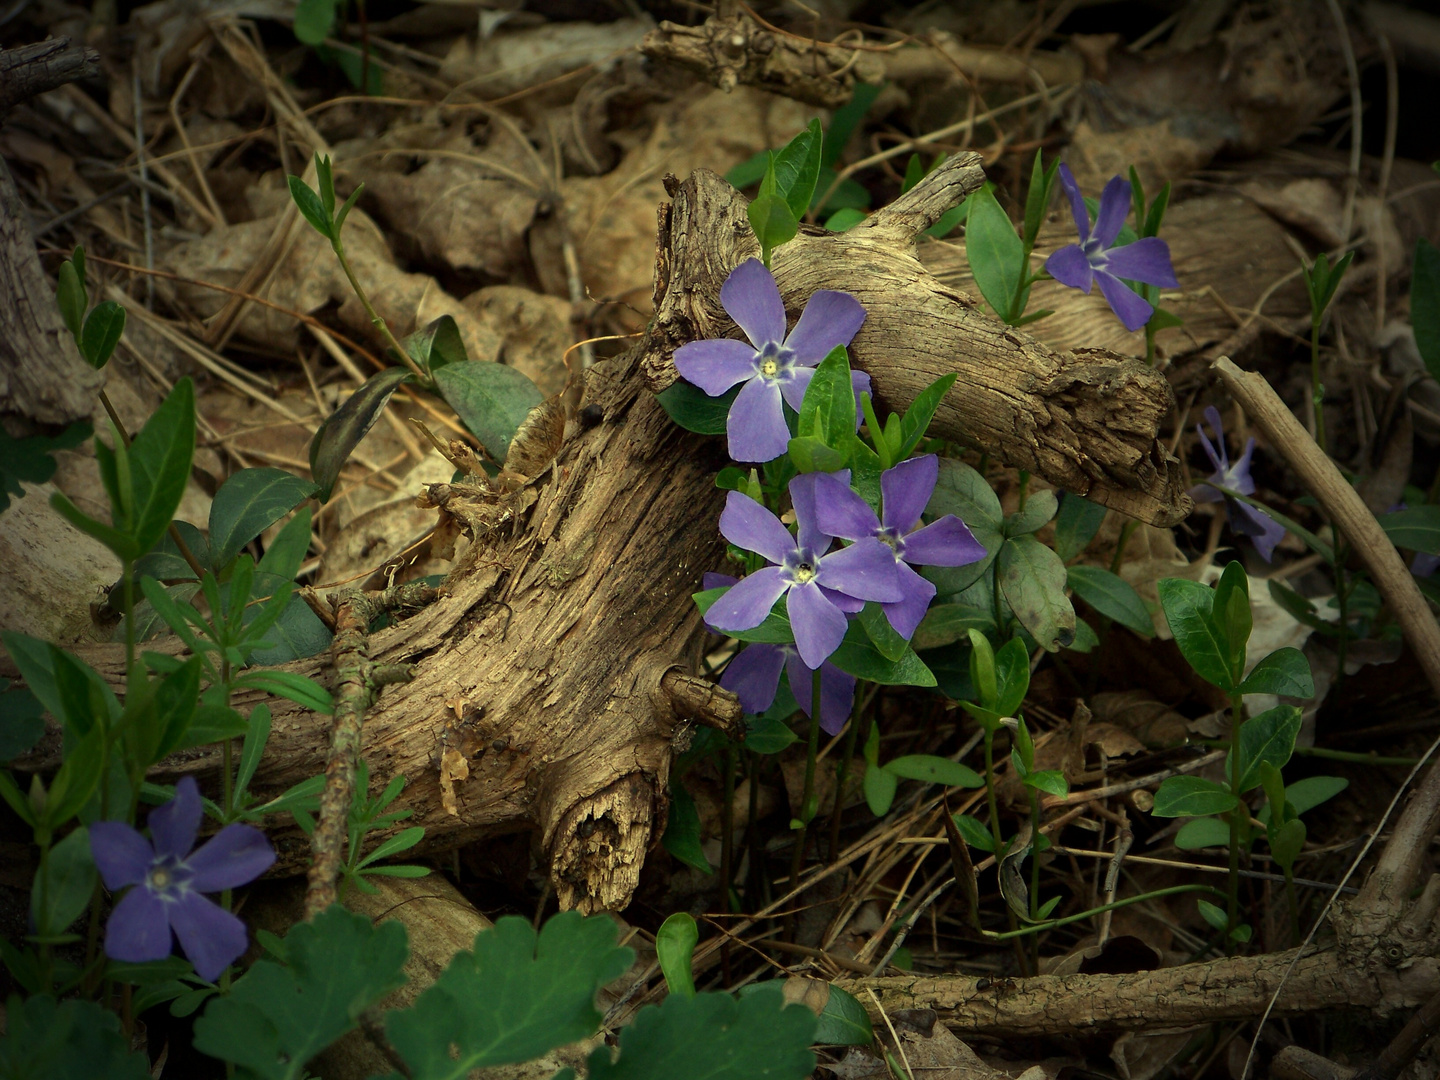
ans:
x=675 y=943
x=916 y=420
x=810 y=454
x=828 y=409
x=773 y=221
x=304 y=691
x=437 y=345
x=682 y=829
x=1309 y=793
x=1230 y=612
x=1267 y=737
x=797 y=168
x=22 y=721
x=1286 y=843
x=343 y=429
x=1012 y=677
x=103 y=328
x=1111 y=596
x=74 y=1040
x=975 y=832
x=930 y=769
x=995 y=251
x=878 y=784
x=1213 y=914
x=694 y=410
x=247 y=504
x=859 y=656
x=1285 y=672
x=77 y=779
x=71 y=298
x=1050 y=781
x=310 y=207
x=962 y=491
x=1039 y=509
x=491 y=399
x=1202 y=833
x=881 y=634
x=767 y=735
x=1191 y=796
x=1037 y=197
x=1417 y=528
x=945 y=624
x=31 y=459
x=287 y=551
x=64 y=885
x=844 y=219
x=1032 y=580
x=1076 y=524
x=1187 y=606
x=1425 y=304
x=843 y=1021
x=160 y=464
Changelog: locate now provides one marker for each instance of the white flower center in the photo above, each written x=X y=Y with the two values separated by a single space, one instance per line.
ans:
x=804 y=573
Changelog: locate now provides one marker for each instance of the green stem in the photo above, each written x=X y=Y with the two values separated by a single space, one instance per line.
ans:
x=1051 y=924
x=1017 y=312
x=1024 y=489
x=1342 y=604
x=990 y=788
x=1150 y=343
x=812 y=747
x=727 y=831
x=1317 y=392
x=1238 y=817
x=1350 y=755
x=1125 y=532
x=1294 y=903
x=379 y=323
x=995 y=597
x=842 y=772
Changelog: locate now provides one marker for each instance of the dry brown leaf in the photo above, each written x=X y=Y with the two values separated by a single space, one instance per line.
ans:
x=453 y=767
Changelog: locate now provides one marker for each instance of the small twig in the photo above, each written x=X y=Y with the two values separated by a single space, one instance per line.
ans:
x=886 y=1017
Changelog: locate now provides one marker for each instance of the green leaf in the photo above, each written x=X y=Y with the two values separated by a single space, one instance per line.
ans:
x=975 y=832
x=1086 y=639
x=797 y=168
x=30 y=459
x=1050 y=781
x=1417 y=528
x=945 y=624
x=773 y=221
x=305 y=692
x=1032 y=580
x=102 y=333
x=767 y=735
x=929 y=769
x=1024 y=752
x=77 y=779
x=120 y=543
x=828 y=409
x=160 y=464
x=247 y=504
x=402 y=841
x=1213 y=914
x=843 y=1021
x=310 y=207
x=917 y=417
x=878 y=784
x=71 y=298
x=775 y=630
x=844 y=121
x=1191 y=796
x=962 y=491
x=1286 y=843
x=1040 y=507
x=1230 y=612
x=694 y=410
x=844 y=219
x=675 y=943
x=22 y=721
x=1037 y=198
x=712 y=1037
x=1285 y=672
x=882 y=635
x=1202 y=833
x=1012 y=677
x=810 y=454
x=1156 y=214
x=1309 y=793
x=996 y=254
x=1076 y=524
x=1267 y=737
x=1425 y=304
x=437 y=345
x=279 y=1016
x=859 y=656
x=1111 y=596
x=63 y=886
x=682 y=829
x=159 y=729
x=83 y=704
x=282 y=559
x=1187 y=606
x=491 y=399
x=75 y=1040
x=512 y=998
x=313 y=20
x=343 y=429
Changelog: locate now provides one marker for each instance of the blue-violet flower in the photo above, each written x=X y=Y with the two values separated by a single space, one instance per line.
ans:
x=905 y=490
x=1094 y=259
x=1264 y=531
x=168 y=879
x=753 y=676
x=821 y=587
x=773 y=367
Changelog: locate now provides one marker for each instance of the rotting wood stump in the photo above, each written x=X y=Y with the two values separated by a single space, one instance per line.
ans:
x=551 y=675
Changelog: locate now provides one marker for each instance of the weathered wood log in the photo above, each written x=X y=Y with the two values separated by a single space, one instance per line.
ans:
x=1087 y=421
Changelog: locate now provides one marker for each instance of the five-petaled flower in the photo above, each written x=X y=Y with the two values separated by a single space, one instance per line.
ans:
x=773 y=367
x=905 y=490
x=1094 y=259
x=821 y=587
x=754 y=677
x=168 y=879
x=1264 y=531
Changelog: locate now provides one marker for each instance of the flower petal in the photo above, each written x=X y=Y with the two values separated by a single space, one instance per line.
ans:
x=793 y=385
x=947 y=541
x=1078 y=210
x=1238 y=475
x=848 y=604
x=122 y=855
x=1114 y=207
x=755 y=428
x=865 y=570
x=745 y=606
x=747 y=524
x=1204 y=493
x=716 y=364
x=830 y=318
x=1221 y=458
x=1264 y=531
x=840 y=511
x=905 y=614
x=139 y=928
x=235 y=856
x=712 y=580
x=754 y=676
x=1132 y=309
x=808 y=534
x=860 y=383
x=837 y=692
x=209 y=935
x=1147 y=260
x=818 y=625
x=174 y=825
x=1069 y=266
x=751 y=297
x=906 y=489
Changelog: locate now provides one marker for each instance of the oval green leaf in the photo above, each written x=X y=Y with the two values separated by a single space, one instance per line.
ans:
x=491 y=399
x=1190 y=796
x=343 y=429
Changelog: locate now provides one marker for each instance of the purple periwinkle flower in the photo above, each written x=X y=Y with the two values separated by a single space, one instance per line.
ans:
x=905 y=490
x=821 y=587
x=1264 y=531
x=1094 y=259
x=773 y=367
x=753 y=676
x=168 y=879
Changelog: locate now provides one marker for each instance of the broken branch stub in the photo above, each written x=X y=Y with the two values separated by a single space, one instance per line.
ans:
x=1086 y=421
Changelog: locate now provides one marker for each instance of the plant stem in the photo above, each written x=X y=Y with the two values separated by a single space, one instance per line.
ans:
x=812 y=747
x=1034 y=854
x=995 y=597
x=1342 y=603
x=842 y=772
x=1238 y=817
x=1125 y=532
x=990 y=788
x=727 y=850
x=1317 y=392
x=379 y=323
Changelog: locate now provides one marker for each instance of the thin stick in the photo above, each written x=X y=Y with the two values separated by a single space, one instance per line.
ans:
x=885 y=1016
